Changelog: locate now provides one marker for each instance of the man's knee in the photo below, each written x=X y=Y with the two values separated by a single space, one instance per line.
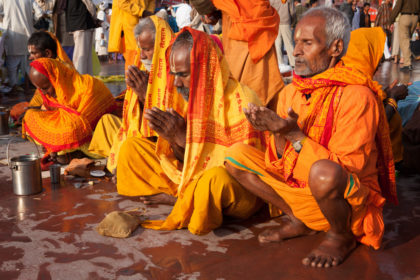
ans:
x=213 y=179
x=327 y=179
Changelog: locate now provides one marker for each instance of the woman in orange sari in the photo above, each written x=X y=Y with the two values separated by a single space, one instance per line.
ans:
x=72 y=105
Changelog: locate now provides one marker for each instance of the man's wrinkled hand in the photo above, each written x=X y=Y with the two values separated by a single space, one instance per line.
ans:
x=168 y=124
x=264 y=119
x=137 y=80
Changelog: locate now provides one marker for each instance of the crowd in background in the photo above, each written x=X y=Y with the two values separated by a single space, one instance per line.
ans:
x=84 y=24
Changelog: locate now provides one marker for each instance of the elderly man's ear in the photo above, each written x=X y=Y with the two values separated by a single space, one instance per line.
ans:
x=336 y=48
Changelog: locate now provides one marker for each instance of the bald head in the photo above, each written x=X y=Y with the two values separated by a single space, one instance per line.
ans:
x=41 y=82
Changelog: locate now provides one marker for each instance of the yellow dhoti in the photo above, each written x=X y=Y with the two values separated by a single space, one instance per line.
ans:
x=206 y=200
x=139 y=171
x=104 y=134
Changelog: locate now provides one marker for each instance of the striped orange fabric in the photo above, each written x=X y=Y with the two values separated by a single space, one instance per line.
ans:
x=71 y=117
x=215 y=119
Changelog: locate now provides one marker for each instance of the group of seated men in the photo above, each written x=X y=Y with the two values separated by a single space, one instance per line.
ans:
x=192 y=136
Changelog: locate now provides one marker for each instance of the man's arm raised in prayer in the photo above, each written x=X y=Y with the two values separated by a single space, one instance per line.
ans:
x=171 y=126
x=265 y=119
x=137 y=80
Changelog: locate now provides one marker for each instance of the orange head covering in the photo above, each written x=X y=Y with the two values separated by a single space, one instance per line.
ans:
x=365 y=50
x=215 y=119
x=61 y=54
x=133 y=123
x=79 y=103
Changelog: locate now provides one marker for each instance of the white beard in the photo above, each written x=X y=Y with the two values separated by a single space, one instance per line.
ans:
x=147 y=64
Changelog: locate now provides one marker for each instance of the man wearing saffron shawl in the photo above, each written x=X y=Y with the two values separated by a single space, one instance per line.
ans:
x=146 y=88
x=125 y=16
x=328 y=166
x=187 y=166
x=250 y=29
x=364 y=54
x=40 y=44
x=73 y=105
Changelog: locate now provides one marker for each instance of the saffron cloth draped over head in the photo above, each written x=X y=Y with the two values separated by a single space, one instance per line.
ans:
x=133 y=124
x=215 y=119
x=72 y=115
x=255 y=22
x=325 y=90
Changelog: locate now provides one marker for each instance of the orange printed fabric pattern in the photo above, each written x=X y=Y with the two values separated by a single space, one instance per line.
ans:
x=133 y=124
x=72 y=115
x=255 y=22
x=326 y=89
x=215 y=119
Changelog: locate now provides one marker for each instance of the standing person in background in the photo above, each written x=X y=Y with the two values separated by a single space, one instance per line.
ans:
x=299 y=11
x=59 y=27
x=81 y=20
x=125 y=16
x=249 y=30
x=383 y=17
x=409 y=10
x=182 y=14
x=17 y=23
x=395 y=52
x=356 y=18
x=347 y=9
x=364 y=16
x=102 y=32
x=285 y=10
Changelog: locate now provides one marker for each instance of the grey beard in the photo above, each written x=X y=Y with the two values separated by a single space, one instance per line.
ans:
x=308 y=72
x=147 y=64
x=184 y=91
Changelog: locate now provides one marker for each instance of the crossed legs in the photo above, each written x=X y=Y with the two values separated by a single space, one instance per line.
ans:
x=328 y=182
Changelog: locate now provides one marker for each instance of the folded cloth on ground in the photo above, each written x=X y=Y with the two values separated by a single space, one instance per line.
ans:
x=80 y=167
x=118 y=224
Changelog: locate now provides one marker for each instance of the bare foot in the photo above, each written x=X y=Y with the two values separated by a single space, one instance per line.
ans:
x=289 y=228
x=332 y=251
x=160 y=198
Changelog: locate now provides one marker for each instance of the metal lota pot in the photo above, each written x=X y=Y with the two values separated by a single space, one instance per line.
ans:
x=26 y=173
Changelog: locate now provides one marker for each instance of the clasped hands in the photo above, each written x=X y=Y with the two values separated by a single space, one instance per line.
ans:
x=168 y=124
x=264 y=119
x=137 y=80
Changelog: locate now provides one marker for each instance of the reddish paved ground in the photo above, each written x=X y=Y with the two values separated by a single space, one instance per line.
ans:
x=52 y=235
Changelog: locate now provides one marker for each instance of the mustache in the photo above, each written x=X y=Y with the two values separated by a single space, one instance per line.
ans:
x=184 y=91
x=147 y=64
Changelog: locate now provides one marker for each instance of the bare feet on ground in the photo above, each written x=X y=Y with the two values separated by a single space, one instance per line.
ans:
x=161 y=198
x=289 y=228
x=332 y=251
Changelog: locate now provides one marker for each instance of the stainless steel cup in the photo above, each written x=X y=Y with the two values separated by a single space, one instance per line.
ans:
x=55 y=173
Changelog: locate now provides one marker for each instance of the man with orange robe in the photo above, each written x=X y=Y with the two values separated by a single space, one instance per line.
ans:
x=187 y=167
x=125 y=16
x=329 y=164
x=249 y=31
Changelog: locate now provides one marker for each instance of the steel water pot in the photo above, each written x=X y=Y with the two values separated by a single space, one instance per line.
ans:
x=26 y=173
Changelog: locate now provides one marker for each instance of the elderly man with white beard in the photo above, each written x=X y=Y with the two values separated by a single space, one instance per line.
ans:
x=146 y=83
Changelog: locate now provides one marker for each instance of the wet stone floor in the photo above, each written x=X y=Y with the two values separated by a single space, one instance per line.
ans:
x=52 y=235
